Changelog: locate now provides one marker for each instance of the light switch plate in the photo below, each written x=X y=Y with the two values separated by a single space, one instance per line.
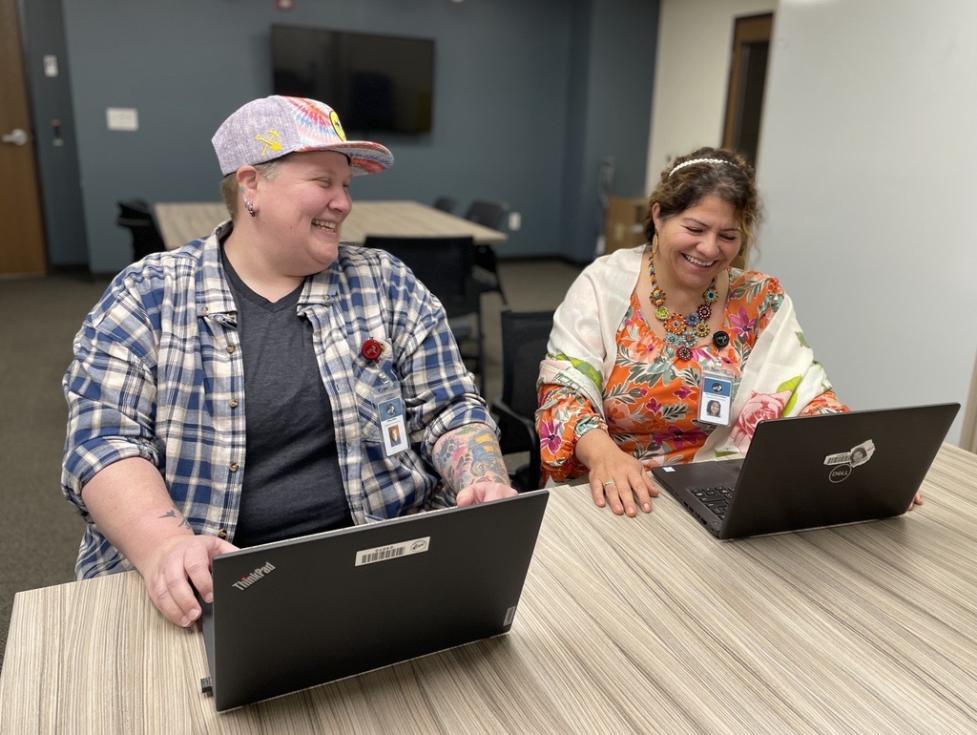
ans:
x=122 y=118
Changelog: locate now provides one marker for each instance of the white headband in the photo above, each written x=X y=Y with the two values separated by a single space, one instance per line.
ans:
x=700 y=160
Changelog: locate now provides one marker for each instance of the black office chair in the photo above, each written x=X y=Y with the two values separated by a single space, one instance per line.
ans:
x=524 y=338
x=444 y=265
x=135 y=216
x=446 y=204
x=492 y=215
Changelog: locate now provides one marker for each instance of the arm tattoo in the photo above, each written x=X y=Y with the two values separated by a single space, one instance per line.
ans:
x=468 y=455
x=173 y=514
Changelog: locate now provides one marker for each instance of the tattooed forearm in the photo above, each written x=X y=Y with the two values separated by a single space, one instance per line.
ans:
x=468 y=455
x=173 y=514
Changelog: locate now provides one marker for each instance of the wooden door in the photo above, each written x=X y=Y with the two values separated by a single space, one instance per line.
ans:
x=747 y=78
x=21 y=231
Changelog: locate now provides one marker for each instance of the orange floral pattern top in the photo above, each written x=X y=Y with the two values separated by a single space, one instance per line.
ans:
x=651 y=400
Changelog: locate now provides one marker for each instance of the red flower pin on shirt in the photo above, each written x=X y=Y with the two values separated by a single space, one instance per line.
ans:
x=371 y=350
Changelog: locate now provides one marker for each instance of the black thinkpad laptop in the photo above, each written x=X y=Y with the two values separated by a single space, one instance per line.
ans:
x=296 y=613
x=814 y=471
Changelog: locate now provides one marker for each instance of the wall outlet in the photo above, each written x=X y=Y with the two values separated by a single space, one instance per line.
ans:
x=122 y=118
x=515 y=221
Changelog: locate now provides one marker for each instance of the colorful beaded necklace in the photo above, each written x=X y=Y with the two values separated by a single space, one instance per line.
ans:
x=682 y=332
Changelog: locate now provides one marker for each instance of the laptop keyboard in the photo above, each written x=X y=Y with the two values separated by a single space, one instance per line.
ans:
x=715 y=498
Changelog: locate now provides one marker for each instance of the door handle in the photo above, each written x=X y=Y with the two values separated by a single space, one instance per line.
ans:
x=17 y=136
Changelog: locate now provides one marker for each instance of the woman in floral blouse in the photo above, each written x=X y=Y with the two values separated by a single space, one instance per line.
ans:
x=641 y=330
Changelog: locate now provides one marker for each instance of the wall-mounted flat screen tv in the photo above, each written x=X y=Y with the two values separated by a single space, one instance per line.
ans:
x=375 y=83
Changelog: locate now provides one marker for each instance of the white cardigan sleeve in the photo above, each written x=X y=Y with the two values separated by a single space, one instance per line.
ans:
x=582 y=346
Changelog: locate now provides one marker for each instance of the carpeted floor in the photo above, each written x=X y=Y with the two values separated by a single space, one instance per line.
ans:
x=40 y=530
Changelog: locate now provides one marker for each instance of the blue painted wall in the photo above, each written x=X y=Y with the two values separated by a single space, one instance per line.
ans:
x=611 y=112
x=57 y=165
x=507 y=100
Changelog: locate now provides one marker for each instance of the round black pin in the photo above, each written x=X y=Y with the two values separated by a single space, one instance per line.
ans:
x=720 y=339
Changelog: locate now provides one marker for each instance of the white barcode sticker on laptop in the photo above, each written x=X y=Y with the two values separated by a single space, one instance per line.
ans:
x=838 y=458
x=393 y=551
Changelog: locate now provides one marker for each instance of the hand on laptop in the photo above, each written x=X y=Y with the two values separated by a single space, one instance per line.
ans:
x=177 y=563
x=482 y=492
x=616 y=478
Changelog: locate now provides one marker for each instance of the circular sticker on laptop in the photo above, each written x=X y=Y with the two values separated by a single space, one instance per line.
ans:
x=839 y=472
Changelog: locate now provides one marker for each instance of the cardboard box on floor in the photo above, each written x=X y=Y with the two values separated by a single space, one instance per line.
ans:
x=625 y=226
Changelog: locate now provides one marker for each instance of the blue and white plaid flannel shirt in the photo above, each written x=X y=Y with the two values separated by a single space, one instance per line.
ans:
x=158 y=374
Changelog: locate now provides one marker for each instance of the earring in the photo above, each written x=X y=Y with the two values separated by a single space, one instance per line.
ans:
x=249 y=205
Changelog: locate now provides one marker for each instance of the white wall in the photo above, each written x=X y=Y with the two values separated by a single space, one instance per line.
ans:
x=867 y=164
x=691 y=75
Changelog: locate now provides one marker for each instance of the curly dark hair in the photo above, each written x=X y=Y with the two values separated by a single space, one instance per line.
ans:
x=734 y=183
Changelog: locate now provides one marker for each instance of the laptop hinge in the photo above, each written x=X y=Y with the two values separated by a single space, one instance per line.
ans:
x=207 y=686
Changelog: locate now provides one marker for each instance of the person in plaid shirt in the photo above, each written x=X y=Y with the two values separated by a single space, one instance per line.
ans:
x=269 y=317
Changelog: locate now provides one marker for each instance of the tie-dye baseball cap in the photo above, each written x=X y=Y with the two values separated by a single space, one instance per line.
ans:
x=271 y=127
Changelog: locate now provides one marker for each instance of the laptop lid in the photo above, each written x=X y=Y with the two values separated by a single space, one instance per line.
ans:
x=301 y=612
x=829 y=469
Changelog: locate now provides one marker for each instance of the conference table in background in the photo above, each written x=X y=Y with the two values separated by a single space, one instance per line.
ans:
x=180 y=222
x=646 y=625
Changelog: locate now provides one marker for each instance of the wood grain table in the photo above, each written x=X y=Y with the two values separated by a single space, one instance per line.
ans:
x=646 y=625
x=181 y=222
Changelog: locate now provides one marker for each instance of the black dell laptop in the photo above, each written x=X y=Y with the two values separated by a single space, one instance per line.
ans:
x=293 y=614
x=808 y=472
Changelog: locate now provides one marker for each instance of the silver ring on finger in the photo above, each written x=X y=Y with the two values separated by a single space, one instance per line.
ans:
x=608 y=483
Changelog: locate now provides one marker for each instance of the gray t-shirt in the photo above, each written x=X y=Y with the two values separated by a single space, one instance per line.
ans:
x=292 y=482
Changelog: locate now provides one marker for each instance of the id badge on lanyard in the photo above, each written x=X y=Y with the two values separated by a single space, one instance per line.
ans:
x=390 y=410
x=715 y=397
x=387 y=402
